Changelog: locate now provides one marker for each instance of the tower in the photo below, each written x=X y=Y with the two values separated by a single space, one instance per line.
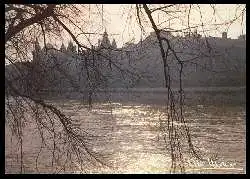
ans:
x=105 y=43
x=114 y=44
x=224 y=35
x=71 y=48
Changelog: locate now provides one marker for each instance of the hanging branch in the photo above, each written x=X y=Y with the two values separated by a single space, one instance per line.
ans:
x=172 y=114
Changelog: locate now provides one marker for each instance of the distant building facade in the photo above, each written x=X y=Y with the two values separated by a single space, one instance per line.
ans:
x=200 y=57
x=242 y=37
x=67 y=63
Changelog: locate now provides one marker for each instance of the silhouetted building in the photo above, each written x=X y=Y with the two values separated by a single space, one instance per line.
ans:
x=228 y=59
x=224 y=35
x=114 y=44
x=71 y=48
x=242 y=37
x=105 y=43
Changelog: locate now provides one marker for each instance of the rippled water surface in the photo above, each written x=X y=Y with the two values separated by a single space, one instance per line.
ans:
x=130 y=139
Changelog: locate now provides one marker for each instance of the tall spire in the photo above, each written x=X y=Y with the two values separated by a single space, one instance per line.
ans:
x=105 y=33
x=114 y=44
x=105 y=40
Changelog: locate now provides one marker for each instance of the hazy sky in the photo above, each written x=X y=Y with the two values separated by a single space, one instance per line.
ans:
x=121 y=23
x=121 y=20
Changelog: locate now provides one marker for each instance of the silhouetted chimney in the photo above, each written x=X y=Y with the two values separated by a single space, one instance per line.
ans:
x=224 y=35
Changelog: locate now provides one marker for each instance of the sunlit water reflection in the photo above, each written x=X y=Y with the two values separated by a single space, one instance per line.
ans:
x=130 y=139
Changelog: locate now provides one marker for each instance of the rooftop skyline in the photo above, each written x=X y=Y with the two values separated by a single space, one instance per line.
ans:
x=121 y=23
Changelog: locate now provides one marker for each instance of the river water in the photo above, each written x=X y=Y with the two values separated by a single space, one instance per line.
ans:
x=130 y=139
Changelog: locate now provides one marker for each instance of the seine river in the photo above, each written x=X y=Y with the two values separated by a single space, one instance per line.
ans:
x=129 y=137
